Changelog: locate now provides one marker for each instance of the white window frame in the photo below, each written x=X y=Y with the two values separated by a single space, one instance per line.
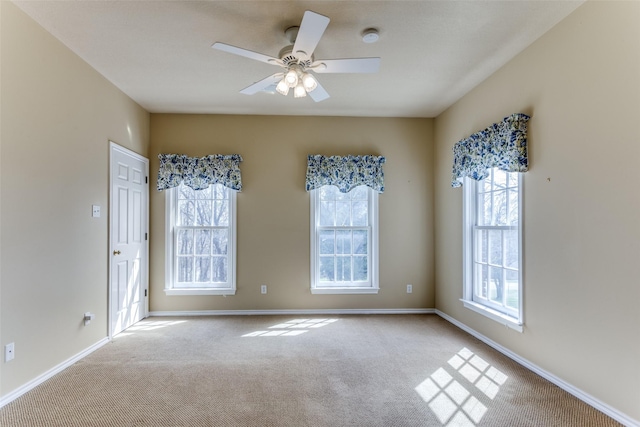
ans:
x=512 y=320
x=170 y=258
x=372 y=286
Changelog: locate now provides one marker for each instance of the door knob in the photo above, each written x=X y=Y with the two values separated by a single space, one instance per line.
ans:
x=116 y=252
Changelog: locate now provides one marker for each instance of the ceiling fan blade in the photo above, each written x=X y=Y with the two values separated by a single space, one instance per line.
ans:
x=352 y=65
x=318 y=94
x=246 y=53
x=262 y=84
x=309 y=34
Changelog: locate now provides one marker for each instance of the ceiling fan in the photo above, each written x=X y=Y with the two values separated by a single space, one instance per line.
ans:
x=298 y=61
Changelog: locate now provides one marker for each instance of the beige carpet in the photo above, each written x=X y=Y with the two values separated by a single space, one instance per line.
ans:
x=387 y=370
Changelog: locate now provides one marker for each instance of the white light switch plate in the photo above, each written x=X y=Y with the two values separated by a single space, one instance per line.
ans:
x=95 y=211
x=9 y=352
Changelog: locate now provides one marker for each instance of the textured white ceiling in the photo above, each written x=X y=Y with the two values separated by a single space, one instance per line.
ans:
x=433 y=52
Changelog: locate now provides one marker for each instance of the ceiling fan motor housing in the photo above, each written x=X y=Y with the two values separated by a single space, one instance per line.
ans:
x=288 y=58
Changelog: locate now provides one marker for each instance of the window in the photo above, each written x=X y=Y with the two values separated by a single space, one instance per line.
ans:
x=344 y=240
x=493 y=246
x=201 y=241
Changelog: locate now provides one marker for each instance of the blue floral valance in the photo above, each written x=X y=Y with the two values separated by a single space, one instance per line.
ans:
x=502 y=145
x=199 y=172
x=346 y=172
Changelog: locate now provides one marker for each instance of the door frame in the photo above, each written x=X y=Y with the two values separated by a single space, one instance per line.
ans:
x=144 y=289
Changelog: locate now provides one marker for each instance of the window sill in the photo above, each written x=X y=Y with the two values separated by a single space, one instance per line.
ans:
x=199 y=291
x=493 y=315
x=344 y=291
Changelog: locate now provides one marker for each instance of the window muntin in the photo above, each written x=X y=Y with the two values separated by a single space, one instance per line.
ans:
x=493 y=245
x=201 y=240
x=344 y=240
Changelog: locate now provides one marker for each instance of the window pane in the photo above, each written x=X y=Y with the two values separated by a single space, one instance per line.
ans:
x=481 y=280
x=220 y=192
x=486 y=185
x=327 y=242
x=203 y=212
x=481 y=249
x=496 y=284
x=513 y=207
x=203 y=194
x=360 y=268
x=495 y=247
x=484 y=209
x=328 y=192
x=185 y=192
x=499 y=216
x=359 y=213
x=512 y=289
x=512 y=179
x=327 y=213
x=185 y=242
x=221 y=213
x=219 y=269
x=359 y=193
x=511 y=248
x=326 y=269
x=343 y=214
x=360 y=245
x=220 y=242
x=343 y=269
x=203 y=242
x=203 y=269
x=185 y=269
x=341 y=196
x=499 y=179
x=484 y=257
x=186 y=212
x=343 y=242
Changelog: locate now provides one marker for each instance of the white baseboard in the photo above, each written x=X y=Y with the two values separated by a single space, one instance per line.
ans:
x=301 y=312
x=51 y=372
x=585 y=397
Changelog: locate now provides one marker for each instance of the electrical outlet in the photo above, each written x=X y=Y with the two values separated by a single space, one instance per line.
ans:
x=88 y=317
x=263 y=289
x=409 y=289
x=9 y=352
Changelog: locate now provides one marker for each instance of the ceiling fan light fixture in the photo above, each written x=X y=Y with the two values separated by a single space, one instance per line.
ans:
x=282 y=87
x=291 y=77
x=299 y=91
x=309 y=82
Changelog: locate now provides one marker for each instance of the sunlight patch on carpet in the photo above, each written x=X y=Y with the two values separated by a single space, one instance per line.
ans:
x=291 y=328
x=149 y=325
x=457 y=404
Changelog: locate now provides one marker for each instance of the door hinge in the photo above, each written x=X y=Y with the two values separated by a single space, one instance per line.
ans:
x=145 y=236
x=145 y=292
x=146 y=179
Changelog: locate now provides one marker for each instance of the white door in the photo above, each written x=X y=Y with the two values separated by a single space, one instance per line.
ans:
x=129 y=248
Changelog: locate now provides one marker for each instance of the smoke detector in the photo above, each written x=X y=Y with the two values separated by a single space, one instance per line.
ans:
x=370 y=35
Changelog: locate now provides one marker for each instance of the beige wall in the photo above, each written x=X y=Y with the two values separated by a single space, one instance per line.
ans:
x=58 y=115
x=273 y=207
x=580 y=84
